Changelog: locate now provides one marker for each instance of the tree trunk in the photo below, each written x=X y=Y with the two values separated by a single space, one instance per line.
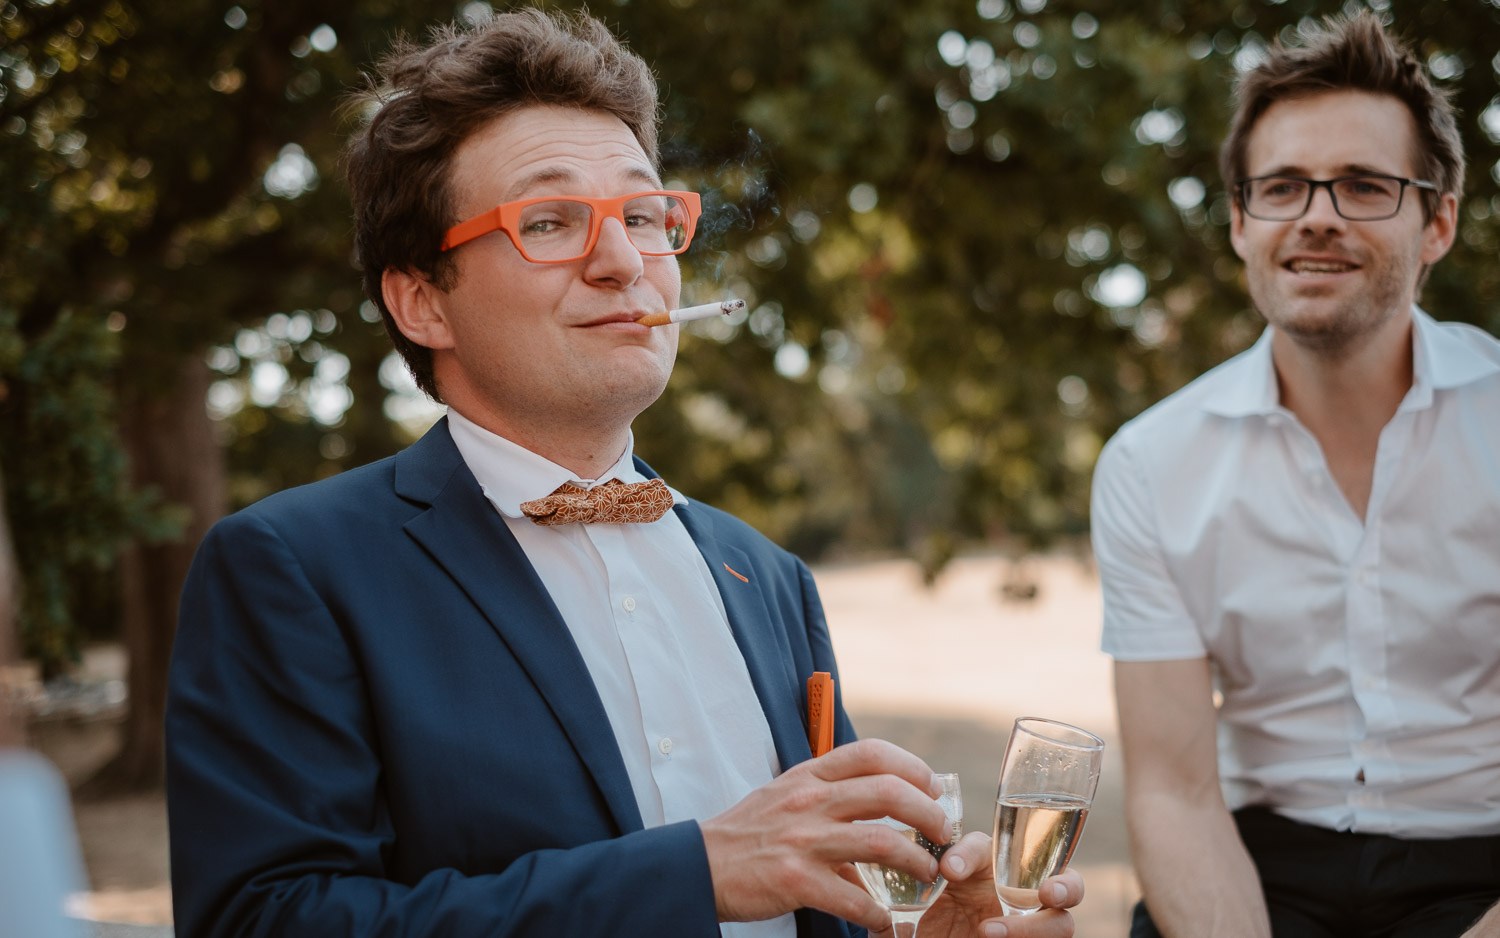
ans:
x=172 y=449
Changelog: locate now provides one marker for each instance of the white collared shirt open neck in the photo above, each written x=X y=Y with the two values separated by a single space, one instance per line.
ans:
x=1358 y=659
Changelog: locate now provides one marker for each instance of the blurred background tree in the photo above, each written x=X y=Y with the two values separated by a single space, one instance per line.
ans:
x=974 y=238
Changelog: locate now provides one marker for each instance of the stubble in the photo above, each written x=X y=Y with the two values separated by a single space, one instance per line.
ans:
x=1332 y=329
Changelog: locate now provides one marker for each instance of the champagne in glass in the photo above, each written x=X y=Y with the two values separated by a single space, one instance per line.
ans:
x=904 y=895
x=1047 y=783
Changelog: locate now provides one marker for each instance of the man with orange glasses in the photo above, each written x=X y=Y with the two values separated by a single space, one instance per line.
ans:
x=506 y=682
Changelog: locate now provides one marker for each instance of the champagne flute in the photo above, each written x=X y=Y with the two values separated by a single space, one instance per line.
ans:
x=1047 y=784
x=905 y=896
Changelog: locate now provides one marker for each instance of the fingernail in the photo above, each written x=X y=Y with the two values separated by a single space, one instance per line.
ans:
x=959 y=866
x=1057 y=892
x=932 y=871
x=995 y=930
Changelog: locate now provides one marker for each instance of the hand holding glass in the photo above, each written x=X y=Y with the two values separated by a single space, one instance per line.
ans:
x=903 y=894
x=1047 y=784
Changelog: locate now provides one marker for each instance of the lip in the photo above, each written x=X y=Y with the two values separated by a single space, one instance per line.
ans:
x=613 y=319
x=1329 y=260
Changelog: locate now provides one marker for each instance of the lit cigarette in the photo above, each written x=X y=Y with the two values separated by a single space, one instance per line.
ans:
x=706 y=311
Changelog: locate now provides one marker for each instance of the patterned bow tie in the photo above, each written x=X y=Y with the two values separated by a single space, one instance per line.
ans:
x=614 y=502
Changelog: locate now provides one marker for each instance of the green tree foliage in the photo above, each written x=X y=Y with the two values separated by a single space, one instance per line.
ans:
x=140 y=230
x=997 y=231
x=66 y=494
x=975 y=238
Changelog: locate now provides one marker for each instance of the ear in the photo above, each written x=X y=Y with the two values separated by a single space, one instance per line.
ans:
x=1438 y=234
x=417 y=306
x=1237 y=227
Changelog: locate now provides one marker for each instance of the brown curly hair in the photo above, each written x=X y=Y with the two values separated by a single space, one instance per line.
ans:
x=425 y=100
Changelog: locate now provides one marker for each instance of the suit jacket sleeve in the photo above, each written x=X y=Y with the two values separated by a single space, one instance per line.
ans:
x=283 y=820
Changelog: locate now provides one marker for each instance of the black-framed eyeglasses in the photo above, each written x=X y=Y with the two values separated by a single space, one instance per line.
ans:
x=1369 y=197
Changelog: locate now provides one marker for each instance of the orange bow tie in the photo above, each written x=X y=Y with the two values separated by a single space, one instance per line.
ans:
x=614 y=502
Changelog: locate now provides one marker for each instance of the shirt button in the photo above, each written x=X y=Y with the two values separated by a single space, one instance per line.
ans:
x=664 y=745
x=628 y=603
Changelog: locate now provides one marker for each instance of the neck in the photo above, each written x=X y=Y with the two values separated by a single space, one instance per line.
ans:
x=588 y=451
x=1358 y=386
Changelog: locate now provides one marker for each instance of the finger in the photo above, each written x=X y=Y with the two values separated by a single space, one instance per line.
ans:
x=1048 y=923
x=876 y=796
x=875 y=757
x=969 y=857
x=875 y=843
x=850 y=902
x=1062 y=891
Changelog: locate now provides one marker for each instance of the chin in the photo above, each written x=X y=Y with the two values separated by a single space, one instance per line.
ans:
x=1326 y=326
x=637 y=386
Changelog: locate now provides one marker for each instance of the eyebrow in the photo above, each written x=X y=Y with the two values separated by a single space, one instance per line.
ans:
x=1348 y=169
x=551 y=174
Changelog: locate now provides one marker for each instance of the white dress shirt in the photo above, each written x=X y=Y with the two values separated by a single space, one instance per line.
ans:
x=651 y=626
x=1358 y=661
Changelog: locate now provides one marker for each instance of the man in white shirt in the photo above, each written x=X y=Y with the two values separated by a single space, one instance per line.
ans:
x=507 y=683
x=1300 y=551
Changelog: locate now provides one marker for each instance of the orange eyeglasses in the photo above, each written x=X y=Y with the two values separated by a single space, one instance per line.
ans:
x=554 y=230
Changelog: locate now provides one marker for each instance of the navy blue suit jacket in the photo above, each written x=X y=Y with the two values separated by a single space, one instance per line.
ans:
x=379 y=725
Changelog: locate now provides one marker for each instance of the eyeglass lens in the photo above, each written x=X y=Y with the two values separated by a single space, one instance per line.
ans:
x=559 y=229
x=1357 y=198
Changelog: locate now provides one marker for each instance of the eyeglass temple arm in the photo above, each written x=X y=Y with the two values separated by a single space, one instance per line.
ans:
x=475 y=227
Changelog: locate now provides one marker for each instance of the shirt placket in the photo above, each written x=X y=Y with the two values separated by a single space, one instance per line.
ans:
x=647 y=650
x=1369 y=637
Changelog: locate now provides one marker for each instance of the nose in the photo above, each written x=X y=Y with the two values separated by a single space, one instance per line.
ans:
x=615 y=259
x=1321 y=214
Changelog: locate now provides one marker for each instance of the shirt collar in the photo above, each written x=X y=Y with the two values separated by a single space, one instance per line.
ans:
x=1251 y=385
x=510 y=474
x=1440 y=359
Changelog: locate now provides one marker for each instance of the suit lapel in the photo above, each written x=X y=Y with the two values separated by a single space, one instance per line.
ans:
x=755 y=632
x=471 y=542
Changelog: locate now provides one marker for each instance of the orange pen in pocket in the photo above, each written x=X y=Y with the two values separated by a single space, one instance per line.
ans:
x=820 y=712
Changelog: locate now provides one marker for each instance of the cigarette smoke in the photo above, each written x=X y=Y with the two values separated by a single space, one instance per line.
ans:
x=738 y=196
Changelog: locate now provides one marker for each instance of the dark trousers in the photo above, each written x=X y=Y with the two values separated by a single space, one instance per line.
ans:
x=1336 y=884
